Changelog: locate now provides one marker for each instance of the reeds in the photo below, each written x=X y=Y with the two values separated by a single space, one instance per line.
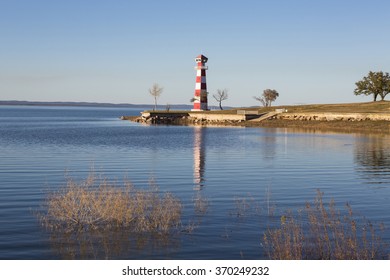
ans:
x=321 y=232
x=96 y=204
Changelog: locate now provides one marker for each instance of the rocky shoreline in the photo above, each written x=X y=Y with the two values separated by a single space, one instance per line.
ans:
x=183 y=120
x=340 y=122
x=353 y=117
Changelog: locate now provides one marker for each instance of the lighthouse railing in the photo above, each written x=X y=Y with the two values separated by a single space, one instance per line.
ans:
x=201 y=68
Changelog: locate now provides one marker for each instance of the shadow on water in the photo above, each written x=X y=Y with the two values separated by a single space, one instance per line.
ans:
x=269 y=141
x=372 y=155
x=113 y=244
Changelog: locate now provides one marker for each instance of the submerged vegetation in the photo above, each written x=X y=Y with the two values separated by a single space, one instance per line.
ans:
x=89 y=214
x=322 y=232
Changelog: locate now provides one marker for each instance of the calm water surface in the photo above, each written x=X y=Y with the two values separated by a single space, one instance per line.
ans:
x=248 y=177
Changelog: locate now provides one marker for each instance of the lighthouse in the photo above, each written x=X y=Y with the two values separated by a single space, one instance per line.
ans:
x=200 y=96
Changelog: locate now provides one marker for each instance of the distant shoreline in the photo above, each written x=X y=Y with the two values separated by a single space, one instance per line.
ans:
x=88 y=104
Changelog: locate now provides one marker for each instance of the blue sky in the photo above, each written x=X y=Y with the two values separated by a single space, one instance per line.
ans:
x=113 y=51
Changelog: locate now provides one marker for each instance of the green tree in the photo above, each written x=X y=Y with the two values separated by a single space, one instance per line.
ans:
x=375 y=83
x=268 y=96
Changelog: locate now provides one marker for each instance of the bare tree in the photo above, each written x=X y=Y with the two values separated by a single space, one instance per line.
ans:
x=221 y=95
x=261 y=99
x=268 y=96
x=155 y=91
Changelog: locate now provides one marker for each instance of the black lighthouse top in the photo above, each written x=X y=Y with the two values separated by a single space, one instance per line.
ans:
x=201 y=58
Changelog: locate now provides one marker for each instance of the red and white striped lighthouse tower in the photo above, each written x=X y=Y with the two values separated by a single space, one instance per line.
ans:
x=200 y=96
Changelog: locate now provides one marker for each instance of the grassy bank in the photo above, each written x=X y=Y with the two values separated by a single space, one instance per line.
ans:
x=362 y=107
x=382 y=107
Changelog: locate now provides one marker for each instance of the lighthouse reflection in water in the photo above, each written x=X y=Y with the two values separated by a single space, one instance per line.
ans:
x=199 y=157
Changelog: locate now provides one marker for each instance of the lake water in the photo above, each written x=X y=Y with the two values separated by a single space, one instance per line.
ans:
x=246 y=177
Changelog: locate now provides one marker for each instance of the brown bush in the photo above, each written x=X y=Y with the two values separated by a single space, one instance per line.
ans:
x=92 y=204
x=322 y=232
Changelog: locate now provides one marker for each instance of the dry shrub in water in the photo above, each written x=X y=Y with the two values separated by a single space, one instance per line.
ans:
x=321 y=232
x=201 y=204
x=246 y=206
x=91 y=205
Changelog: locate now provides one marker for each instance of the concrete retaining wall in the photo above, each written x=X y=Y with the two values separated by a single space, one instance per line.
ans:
x=188 y=118
x=217 y=117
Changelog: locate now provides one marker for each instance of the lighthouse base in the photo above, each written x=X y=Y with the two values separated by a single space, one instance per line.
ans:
x=199 y=110
x=200 y=107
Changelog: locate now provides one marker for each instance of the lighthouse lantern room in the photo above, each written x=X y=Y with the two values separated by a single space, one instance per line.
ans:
x=200 y=96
